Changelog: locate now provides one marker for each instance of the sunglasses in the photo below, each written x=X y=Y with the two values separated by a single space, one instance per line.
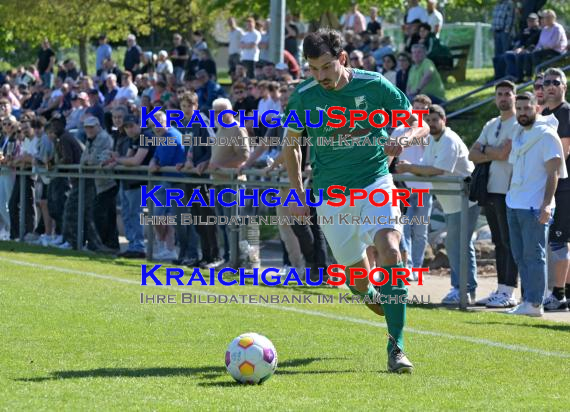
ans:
x=552 y=82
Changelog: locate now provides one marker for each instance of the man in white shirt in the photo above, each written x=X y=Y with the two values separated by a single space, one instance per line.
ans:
x=536 y=156
x=494 y=146
x=447 y=155
x=250 y=47
x=434 y=17
x=415 y=237
x=234 y=49
x=128 y=92
x=415 y=11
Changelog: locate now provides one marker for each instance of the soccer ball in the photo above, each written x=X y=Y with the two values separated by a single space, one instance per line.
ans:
x=251 y=358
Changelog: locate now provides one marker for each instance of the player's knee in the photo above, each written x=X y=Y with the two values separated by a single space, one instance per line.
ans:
x=390 y=255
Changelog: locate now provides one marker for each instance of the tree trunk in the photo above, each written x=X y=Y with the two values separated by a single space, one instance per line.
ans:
x=83 y=54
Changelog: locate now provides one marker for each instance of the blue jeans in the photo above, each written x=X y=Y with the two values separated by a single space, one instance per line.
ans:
x=130 y=212
x=415 y=237
x=528 y=244
x=47 y=79
x=502 y=42
x=515 y=64
x=453 y=247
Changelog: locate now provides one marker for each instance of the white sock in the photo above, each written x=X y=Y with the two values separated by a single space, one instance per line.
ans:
x=508 y=290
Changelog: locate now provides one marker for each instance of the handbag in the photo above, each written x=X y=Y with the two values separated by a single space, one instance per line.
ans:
x=478 y=187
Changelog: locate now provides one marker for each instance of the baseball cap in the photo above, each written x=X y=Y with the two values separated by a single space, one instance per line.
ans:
x=533 y=16
x=91 y=121
x=130 y=118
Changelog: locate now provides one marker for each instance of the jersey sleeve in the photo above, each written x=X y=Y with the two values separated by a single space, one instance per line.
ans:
x=295 y=105
x=392 y=97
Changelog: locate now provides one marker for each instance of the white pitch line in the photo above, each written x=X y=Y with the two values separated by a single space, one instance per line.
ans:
x=478 y=341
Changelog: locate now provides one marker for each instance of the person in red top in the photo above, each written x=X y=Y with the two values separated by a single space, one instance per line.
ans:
x=294 y=68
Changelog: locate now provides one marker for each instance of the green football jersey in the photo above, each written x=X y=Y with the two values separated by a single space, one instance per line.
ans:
x=346 y=162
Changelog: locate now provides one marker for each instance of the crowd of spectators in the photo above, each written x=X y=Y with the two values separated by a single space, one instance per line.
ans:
x=52 y=114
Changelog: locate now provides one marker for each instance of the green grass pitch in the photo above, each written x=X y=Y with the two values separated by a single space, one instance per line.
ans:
x=74 y=336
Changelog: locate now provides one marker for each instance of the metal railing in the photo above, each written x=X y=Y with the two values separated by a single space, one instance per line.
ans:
x=81 y=173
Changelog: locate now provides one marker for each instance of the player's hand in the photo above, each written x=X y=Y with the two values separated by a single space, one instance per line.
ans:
x=393 y=149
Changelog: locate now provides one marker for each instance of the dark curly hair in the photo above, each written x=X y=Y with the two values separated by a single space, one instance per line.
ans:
x=321 y=42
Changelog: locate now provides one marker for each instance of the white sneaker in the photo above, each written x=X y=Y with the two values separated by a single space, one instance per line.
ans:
x=527 y=309
x=64 y=245
x=551 y=303
x=484 y=301
x=56 y=240
x=502 y=300
x=454 y=298
x=284 y=270
x=4 y=235
x=169 y=255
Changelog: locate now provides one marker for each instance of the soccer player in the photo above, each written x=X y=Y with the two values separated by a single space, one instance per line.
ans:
x=355 y=167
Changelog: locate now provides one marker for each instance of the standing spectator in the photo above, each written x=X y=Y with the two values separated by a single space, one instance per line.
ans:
x=355 y=20
x=66 y=151
x=494 y=146
x=291 y=35
x=130 y=191
x=538 y=88
x=250 y=47
x=197 y=161
x=234 y=49
x=424 y=77
x=101 y=193
x=165 y=156
x=104 y=52
x=555 y=86
x=434 y=17
x=133 y=54
x=199 y=44
x=447 y=155
x=502 y=25
x=229 y=157
x=45 y=63
x=415 y=237
x=536 y=157
x=513 y=61
x=264 y=42
x=8 y=148
x=374 y=26
x=551 y=43
x=415 y=12
x=179 y=56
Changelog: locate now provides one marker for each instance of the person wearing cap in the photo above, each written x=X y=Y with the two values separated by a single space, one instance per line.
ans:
x=281 y=69
x=130 y=192
x=551 y=43
x=512 y=62
x=79 y=105
x=164 y=65
x=101 y=193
